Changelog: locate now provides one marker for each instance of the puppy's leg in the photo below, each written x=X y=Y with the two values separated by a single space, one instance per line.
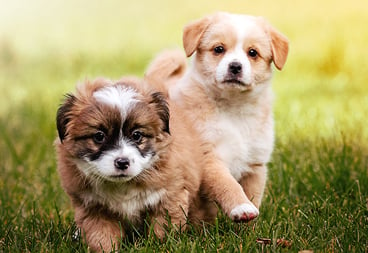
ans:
x=102 y=233
x=221 y=186
x=176 y=206
x=202 y=209
x=254 y=183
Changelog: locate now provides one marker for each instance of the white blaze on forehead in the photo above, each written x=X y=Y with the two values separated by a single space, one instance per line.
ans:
x=117 y=96
x=243 y=25
x=242 y=28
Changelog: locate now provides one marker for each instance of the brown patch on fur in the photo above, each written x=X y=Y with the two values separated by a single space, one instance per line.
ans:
x=177 y=171
x=280 y=48
x=192 y=34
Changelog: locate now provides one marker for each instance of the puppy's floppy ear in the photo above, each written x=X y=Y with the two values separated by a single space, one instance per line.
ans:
x=192 y=34
x=162 y=108
x=279 y=46
x=63 y=115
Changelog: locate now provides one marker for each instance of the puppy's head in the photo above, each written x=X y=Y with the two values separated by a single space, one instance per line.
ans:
x=113 y=131
x=234 y=50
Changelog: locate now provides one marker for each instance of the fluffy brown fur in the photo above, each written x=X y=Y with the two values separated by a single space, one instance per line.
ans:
x=175 y=173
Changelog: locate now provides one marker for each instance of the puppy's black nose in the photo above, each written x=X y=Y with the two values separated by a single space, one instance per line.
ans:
x=121 y=163
x=235 y=68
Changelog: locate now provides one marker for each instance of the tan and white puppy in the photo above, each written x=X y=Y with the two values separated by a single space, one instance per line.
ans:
x=227 y=94
x=121 y=159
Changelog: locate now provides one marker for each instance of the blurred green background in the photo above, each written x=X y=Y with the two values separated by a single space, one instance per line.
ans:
x=47 y=46
x=321 y=103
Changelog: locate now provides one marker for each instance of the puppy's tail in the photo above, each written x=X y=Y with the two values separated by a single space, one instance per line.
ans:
x=166 y=69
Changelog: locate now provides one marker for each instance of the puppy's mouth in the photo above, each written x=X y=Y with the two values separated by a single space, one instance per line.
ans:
x=119 y=176
x=235 y=81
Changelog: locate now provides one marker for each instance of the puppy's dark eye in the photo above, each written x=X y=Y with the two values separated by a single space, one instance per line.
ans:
x=137 y=136
x=99 y=137
x=252 y=53
x=219 y=50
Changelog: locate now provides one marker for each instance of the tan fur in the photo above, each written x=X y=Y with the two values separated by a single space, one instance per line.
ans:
x=247 y=109
x=168 y=65
x=280 y=47
x=192 y=34
x=212 y=169
x=178 y=172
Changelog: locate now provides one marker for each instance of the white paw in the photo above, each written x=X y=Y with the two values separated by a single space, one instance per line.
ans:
x=244 y=212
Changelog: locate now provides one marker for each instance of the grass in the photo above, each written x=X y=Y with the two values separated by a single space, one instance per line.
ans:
x=317 y=193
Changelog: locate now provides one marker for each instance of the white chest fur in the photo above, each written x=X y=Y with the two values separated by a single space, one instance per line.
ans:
x=126 y=201
x=241 y=137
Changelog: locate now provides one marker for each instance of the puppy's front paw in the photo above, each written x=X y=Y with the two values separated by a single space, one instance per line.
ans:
x=244 y=213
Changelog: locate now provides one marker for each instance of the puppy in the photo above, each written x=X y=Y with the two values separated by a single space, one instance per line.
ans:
x=227 y=94
x=121 y=159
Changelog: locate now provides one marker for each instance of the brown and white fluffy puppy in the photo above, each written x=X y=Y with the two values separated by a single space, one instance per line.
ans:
x=227 y=93
x=121 y=158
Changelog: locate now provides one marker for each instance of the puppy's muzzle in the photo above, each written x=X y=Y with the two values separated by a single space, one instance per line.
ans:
x=234 y=74
x=121 y=163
